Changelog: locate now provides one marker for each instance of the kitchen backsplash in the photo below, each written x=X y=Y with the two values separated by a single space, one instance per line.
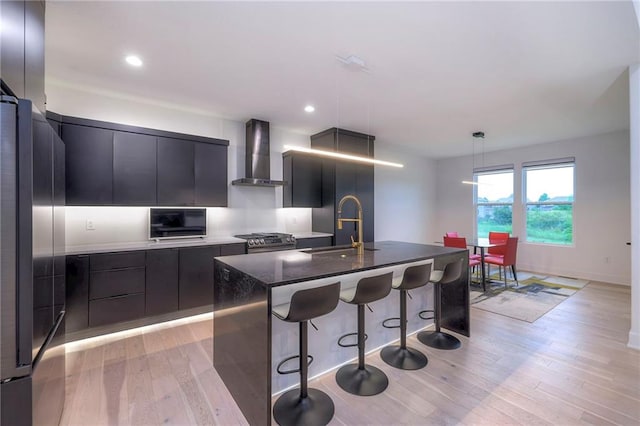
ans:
x=130 y=224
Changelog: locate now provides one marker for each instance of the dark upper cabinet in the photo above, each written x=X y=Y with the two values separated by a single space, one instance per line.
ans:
x=196 y=276
x=89 y=165
x=303 y=176
x=161 y=294
x=34 y=53
x=22 y=53
x=176 y=172
x=134 y=169
x=210 y=175
x=114 y=164
x=340 y=178
x=344 y=141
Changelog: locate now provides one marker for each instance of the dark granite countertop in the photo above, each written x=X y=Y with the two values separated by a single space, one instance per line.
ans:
x=286 y=267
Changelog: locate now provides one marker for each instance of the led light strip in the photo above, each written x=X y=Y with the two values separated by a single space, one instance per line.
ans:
x=468 y=182
x=342 y=156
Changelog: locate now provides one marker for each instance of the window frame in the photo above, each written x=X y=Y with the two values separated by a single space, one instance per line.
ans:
x=541 y=165
x=509 y=168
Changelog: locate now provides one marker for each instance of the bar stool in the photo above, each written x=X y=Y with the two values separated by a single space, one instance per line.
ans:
x=401 y=356
x=305 y=406
x=439 y=339
x=361 y=379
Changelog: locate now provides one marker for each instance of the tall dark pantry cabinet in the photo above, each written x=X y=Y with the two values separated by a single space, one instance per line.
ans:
x=340 y=178
x=32 y=199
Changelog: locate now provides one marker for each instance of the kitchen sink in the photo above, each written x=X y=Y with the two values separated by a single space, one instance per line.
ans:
x=335 y=249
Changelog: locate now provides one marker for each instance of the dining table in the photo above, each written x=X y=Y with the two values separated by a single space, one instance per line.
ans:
x=482 y=244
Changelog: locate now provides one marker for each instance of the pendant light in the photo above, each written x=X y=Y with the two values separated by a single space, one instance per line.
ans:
x=476 y=136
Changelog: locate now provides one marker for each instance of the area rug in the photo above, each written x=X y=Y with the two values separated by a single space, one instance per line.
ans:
x=535 y=296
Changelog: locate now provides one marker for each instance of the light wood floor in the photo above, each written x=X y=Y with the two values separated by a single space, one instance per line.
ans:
x=570 y=367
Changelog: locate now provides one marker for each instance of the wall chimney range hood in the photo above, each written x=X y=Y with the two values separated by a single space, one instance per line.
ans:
x=257 y=158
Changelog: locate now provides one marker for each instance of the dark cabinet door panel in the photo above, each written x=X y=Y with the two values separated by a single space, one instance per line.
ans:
x=89 y=165
x=210 y=175
x=161 y=292
x=77 y=293
x=196 y=276
x=127 y=259
x=303 y=174
x=365 y=193
x=176 y=175
x=116 y=282
x=134 y=169
x=116 y=309
x=233 y=249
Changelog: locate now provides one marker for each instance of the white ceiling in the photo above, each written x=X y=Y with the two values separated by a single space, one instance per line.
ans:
x=524 y=72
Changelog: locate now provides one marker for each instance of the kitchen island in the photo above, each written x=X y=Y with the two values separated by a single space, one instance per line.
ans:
x=248 y=343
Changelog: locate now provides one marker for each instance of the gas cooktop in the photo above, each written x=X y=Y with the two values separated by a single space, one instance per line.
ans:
x=268 y=241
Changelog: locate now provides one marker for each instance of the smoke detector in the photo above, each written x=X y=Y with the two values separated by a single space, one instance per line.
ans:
x=353 y=63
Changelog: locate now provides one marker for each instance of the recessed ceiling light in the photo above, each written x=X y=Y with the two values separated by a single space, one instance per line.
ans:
x=309 y=108
x=133 y=60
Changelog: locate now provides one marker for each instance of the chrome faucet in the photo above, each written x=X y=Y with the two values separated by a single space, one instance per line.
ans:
x=355 y=244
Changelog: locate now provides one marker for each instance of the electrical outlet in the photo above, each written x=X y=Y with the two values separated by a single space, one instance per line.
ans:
x=90 y=225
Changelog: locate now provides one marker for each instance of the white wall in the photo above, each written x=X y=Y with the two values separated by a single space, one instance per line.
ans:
x=601 y=208
x=403 y=197
x=250 y=209
x=405 y=207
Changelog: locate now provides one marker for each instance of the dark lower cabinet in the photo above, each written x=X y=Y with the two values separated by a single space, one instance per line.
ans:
x=302 y=243
x=116 y=309
x=77 y=293
x=108 y=288
x=196 y=276
x=161 y=294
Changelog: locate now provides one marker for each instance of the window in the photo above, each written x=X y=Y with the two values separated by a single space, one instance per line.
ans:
x=548 y=191
x=494 y=201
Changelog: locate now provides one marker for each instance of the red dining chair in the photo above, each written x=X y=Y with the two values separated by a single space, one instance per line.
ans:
x=461 y=242
x=451 y=234
x=508 y=259
x=497 y=238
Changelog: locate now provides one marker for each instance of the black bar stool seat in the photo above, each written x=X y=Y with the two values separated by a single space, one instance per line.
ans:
x=305 y=406
x=439 y=339
x=401 y=356
x=360 y=378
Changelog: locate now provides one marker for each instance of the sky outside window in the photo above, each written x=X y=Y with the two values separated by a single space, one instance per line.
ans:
x=495 y=187
x=555 y=182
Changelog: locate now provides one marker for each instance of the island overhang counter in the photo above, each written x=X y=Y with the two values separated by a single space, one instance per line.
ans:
x=248 y=343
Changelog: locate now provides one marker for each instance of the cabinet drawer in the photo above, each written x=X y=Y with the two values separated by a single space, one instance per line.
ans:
x=129 y=259
x=116 y=283
x=115 y=309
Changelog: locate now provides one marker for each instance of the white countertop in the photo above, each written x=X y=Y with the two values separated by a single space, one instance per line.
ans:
x=150 y=245
x=174 y=243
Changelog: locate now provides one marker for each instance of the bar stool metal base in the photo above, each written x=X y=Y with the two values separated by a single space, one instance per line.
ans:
x=439 y=340
x=316 y=409
x=366 y=382
x=403 y=358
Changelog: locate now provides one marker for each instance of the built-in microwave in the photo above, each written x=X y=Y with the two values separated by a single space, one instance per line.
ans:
x=177 y=223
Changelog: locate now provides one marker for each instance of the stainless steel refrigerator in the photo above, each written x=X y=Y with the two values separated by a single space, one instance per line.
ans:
x=32 y=265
